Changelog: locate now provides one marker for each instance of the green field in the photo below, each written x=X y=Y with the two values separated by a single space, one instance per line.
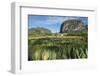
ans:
x=57 y=47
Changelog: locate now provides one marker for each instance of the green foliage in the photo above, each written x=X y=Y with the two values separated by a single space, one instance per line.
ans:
x=76 y=33
x=51 y=49
x=39 y=31
x=68 y=44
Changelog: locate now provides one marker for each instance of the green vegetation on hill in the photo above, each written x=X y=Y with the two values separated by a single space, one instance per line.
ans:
x=39 y=31
x=73 y=26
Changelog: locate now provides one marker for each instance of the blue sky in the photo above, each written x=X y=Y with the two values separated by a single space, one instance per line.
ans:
x=52 y=23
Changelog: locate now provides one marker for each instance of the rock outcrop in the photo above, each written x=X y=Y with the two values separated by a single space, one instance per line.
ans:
x=72 y=25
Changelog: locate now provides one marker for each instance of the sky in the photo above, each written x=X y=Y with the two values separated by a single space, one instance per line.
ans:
x=52 y=23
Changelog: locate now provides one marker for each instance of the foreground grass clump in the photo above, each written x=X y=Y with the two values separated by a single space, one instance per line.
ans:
x=57 y=48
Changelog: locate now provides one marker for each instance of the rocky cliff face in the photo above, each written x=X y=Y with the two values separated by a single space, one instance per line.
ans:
x=72 y=25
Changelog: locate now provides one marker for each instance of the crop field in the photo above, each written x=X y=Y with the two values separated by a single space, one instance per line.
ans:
x=57 y=47
x=57 y=37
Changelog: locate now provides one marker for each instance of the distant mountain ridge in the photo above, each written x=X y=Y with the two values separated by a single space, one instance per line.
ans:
x=70 y=27
x=38 y=31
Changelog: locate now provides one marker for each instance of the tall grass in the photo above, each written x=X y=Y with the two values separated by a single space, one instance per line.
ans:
x=57 y=48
